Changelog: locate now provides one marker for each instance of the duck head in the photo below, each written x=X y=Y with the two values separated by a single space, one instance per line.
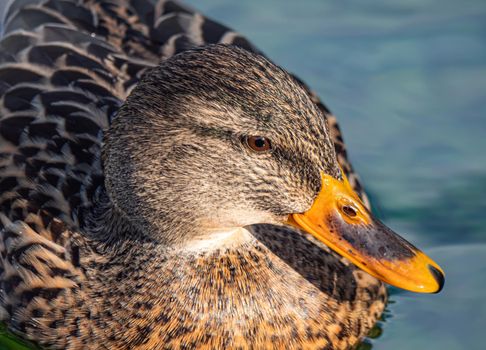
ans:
x=217 y=138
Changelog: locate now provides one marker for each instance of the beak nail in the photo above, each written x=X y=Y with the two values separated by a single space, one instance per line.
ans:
x=439 y=277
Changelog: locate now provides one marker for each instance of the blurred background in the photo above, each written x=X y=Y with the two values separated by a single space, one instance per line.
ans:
x=407 y=81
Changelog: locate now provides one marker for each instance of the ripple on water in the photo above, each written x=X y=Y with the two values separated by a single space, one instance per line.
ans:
x=455 y=319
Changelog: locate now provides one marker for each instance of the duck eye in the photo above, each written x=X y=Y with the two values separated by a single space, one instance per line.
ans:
x=258 y=143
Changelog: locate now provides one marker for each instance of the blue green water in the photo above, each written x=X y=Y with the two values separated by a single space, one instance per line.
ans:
x=407 y=80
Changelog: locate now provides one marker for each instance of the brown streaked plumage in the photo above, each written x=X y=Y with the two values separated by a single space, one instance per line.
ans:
x=119 y=175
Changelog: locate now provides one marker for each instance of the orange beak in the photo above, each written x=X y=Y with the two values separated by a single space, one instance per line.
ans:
x=339 y=219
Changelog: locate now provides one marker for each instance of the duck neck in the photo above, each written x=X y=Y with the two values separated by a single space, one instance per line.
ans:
x=141 y=287
x=150 y=295
x=112 y=232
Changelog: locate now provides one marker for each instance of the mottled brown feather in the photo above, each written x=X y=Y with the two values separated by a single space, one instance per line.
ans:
x=66 y=282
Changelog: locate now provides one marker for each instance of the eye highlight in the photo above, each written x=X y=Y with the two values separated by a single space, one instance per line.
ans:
x=258 y=144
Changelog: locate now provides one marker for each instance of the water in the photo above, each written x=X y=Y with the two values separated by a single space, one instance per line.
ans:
x=407 y=80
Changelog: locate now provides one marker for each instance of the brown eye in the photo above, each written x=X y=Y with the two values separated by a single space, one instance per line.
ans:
x=258 y=143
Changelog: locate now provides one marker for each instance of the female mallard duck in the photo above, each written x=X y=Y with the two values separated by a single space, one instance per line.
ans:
x=186 y=204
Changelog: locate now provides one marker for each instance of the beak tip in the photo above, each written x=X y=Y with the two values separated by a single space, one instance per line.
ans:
x=438 y=276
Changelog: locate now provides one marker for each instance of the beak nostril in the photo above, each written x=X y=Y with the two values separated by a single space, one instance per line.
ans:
x=349 y=211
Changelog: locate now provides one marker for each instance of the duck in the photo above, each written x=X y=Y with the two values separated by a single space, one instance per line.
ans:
x=164 y=185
